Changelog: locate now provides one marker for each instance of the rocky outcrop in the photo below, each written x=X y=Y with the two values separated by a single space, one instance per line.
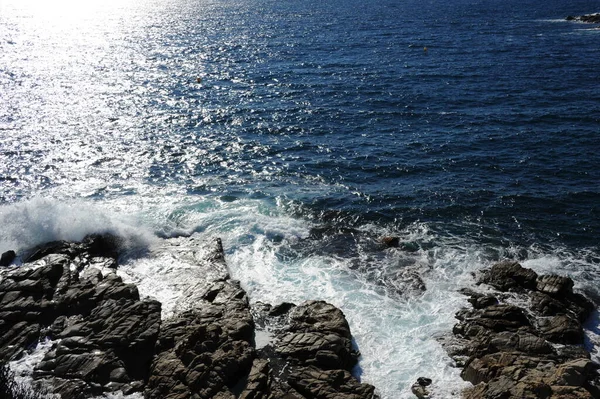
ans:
x=508 y=349
x=7 y=258
x=588 y=18
x=206 y=351
x=104 y=333
x=310 y=353
x=106 y=339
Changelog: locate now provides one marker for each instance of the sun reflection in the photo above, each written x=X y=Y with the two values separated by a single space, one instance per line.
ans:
x=62 y=12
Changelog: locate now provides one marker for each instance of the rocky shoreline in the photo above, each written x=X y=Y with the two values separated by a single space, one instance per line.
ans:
x=523 y=337
x=105 y=338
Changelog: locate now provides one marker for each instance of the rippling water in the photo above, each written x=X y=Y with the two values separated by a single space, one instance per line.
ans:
x=468 y=128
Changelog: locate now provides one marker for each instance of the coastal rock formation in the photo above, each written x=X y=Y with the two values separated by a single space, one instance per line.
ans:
x=510 y=350
x=588 y=18
x=105 y=338
x=104 y=333
x=7 y=258
x=310 y=352
x=205 y=351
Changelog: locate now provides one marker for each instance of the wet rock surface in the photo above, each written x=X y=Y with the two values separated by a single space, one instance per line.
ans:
x=588 y=18
x=310 y=352
x=107 y=339
x=526 y=339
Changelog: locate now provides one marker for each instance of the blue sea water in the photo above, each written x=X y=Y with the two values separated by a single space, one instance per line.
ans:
x=471 y=129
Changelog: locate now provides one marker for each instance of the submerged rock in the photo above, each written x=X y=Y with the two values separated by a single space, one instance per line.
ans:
x=512 y=352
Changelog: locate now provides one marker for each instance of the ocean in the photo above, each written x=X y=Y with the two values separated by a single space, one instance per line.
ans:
x=303 y=132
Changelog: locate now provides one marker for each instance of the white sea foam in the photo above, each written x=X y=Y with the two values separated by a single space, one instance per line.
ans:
x=23 y=368
x=120 y=395
x=39 y=220
x=397 y=337
x=397 y=332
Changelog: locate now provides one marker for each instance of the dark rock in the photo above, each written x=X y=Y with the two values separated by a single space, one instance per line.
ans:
x=424 y=381
x=495 y=318
x=318 y=334
x=257 y=385
x=7 y=258
x=102 y=245
x=312 y=382
x=419 y=388
x=510 y=276
x=108 y=339
x=54 y=248
x=109 y=342
x=508 y=351
x=205 y=351
x=281 y=309
x=392 y=242
x=561 y=329
x=311 y=353
x=556 y=286
x=588 y=18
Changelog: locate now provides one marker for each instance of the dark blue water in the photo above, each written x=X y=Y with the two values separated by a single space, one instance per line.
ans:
x=496 y=124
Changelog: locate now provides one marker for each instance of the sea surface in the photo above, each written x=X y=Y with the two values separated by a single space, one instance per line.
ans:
x=301 y=132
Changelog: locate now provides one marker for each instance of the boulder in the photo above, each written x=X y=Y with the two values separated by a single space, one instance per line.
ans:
x=553 y=285
x=7 y=258
x=510 y=276
x=419 y=388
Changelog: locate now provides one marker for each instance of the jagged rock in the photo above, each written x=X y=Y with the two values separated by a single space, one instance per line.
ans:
x=478 y=300
x=102 y=245
x=574 y=373
x=318 y=334
x=588 y=18
x=392 y=242
x=553 y=285
x=258 y=381
x=107 y=333
x=7 y=258
x=510 y=276
x=107 y=339
x=419 y=388
x=207 y=350
x=561 y=329
x=495 y=318
x=310 y=353
x=312 y=382
x=522 y=342
x=52 y=248
x=510 y=351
